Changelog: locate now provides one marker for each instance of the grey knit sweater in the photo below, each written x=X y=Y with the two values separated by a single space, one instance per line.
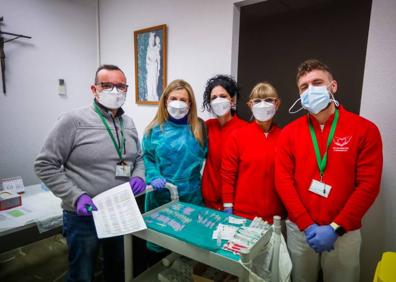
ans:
x=79 y=157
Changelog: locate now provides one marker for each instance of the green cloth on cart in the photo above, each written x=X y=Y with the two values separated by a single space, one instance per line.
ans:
x=190 y=223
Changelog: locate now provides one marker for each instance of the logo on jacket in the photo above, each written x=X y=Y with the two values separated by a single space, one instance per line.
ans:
x=341 y=143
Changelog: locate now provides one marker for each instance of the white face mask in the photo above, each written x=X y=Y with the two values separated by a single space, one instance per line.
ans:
x=111 y=99
x=263 y=111
x=220 y=106
x=177 y=109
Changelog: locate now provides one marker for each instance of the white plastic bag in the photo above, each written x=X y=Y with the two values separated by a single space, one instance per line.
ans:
x=261 y=270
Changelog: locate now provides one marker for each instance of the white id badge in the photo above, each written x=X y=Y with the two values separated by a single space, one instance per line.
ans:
x=320 y=188
x=123 y=170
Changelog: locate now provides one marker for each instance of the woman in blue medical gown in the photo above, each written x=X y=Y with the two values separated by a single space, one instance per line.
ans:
x=174 y=147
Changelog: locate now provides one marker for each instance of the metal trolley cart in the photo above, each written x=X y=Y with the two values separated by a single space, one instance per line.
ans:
x=238 y=265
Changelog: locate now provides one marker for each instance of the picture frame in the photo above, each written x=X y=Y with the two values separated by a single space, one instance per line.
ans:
x=150 y=64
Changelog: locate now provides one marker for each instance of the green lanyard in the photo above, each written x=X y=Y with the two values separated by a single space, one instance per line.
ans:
x=322 y=162
x=118 y=148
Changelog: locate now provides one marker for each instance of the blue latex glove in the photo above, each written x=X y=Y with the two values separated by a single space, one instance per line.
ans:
x=310 y=231
x=324 y=239
x=158 y=183
x=228 y=210
x=85 y=206
x=137 y=184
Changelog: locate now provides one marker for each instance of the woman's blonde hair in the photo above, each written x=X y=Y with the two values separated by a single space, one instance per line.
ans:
x=263 y=90
x=162 y=113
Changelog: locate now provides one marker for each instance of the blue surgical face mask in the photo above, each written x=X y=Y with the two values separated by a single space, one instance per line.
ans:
x=314 y=99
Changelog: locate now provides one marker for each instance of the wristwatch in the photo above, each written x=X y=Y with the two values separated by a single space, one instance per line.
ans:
x=338 y=229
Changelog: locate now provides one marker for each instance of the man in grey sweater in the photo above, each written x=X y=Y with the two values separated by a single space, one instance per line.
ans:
x=91 y=150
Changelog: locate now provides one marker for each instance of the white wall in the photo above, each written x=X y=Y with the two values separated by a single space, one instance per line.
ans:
x=378 y=104
x=199 y=42
x=63 y=45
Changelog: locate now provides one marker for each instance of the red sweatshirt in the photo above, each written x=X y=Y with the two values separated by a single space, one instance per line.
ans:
x=211 y=183
x=354 y=167
x=248 y=173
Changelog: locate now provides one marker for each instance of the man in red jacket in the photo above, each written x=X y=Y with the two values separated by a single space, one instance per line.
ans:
x=328 y=173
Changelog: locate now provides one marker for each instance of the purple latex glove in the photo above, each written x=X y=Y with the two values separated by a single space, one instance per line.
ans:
x=137 y=184
x=310 y=231
x=85 y=206
x=228 y=210
x=324 y=239
x=158 y=183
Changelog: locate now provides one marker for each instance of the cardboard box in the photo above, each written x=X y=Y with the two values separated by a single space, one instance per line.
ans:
x=204 y=273
x=9 y=200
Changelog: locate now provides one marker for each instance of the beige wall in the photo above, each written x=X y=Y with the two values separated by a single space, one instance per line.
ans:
x=378 y=104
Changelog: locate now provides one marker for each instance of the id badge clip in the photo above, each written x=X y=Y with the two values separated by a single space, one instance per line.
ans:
x=320 y=188
x=123 y=169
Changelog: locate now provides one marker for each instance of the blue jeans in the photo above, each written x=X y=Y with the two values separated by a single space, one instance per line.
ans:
x=84 y=245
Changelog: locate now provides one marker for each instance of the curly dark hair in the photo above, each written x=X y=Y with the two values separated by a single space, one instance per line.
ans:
x=225 y=81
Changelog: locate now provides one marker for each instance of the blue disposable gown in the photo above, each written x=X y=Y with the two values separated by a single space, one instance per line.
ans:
x=172 y=152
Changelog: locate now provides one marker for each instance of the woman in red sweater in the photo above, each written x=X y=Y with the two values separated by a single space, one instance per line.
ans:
x=219 y=98
x=248 y=166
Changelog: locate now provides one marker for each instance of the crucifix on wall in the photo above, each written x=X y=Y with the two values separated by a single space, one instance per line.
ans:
x=2 y=54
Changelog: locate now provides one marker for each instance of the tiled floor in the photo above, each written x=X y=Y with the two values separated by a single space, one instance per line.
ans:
x=45 y=260
x=42 y=261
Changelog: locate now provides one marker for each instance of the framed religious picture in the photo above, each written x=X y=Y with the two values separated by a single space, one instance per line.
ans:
x=150 y=63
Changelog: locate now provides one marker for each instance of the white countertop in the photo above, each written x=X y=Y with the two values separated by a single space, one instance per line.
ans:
x=39 y=206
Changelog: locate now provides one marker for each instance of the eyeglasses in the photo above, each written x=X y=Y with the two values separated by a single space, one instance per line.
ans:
x=268 y=100
x=110 y=86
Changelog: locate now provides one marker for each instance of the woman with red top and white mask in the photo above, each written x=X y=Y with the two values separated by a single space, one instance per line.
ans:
x=220 y=99
x=248 y=166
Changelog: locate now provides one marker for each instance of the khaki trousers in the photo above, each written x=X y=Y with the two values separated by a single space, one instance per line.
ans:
x=341 y=264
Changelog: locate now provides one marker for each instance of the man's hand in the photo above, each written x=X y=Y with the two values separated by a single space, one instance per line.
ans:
x=85 y=206
x=137 y=184
x=310 y=231
x=324 y=239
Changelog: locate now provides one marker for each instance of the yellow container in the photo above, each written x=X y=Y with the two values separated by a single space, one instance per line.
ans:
x=386 y=268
